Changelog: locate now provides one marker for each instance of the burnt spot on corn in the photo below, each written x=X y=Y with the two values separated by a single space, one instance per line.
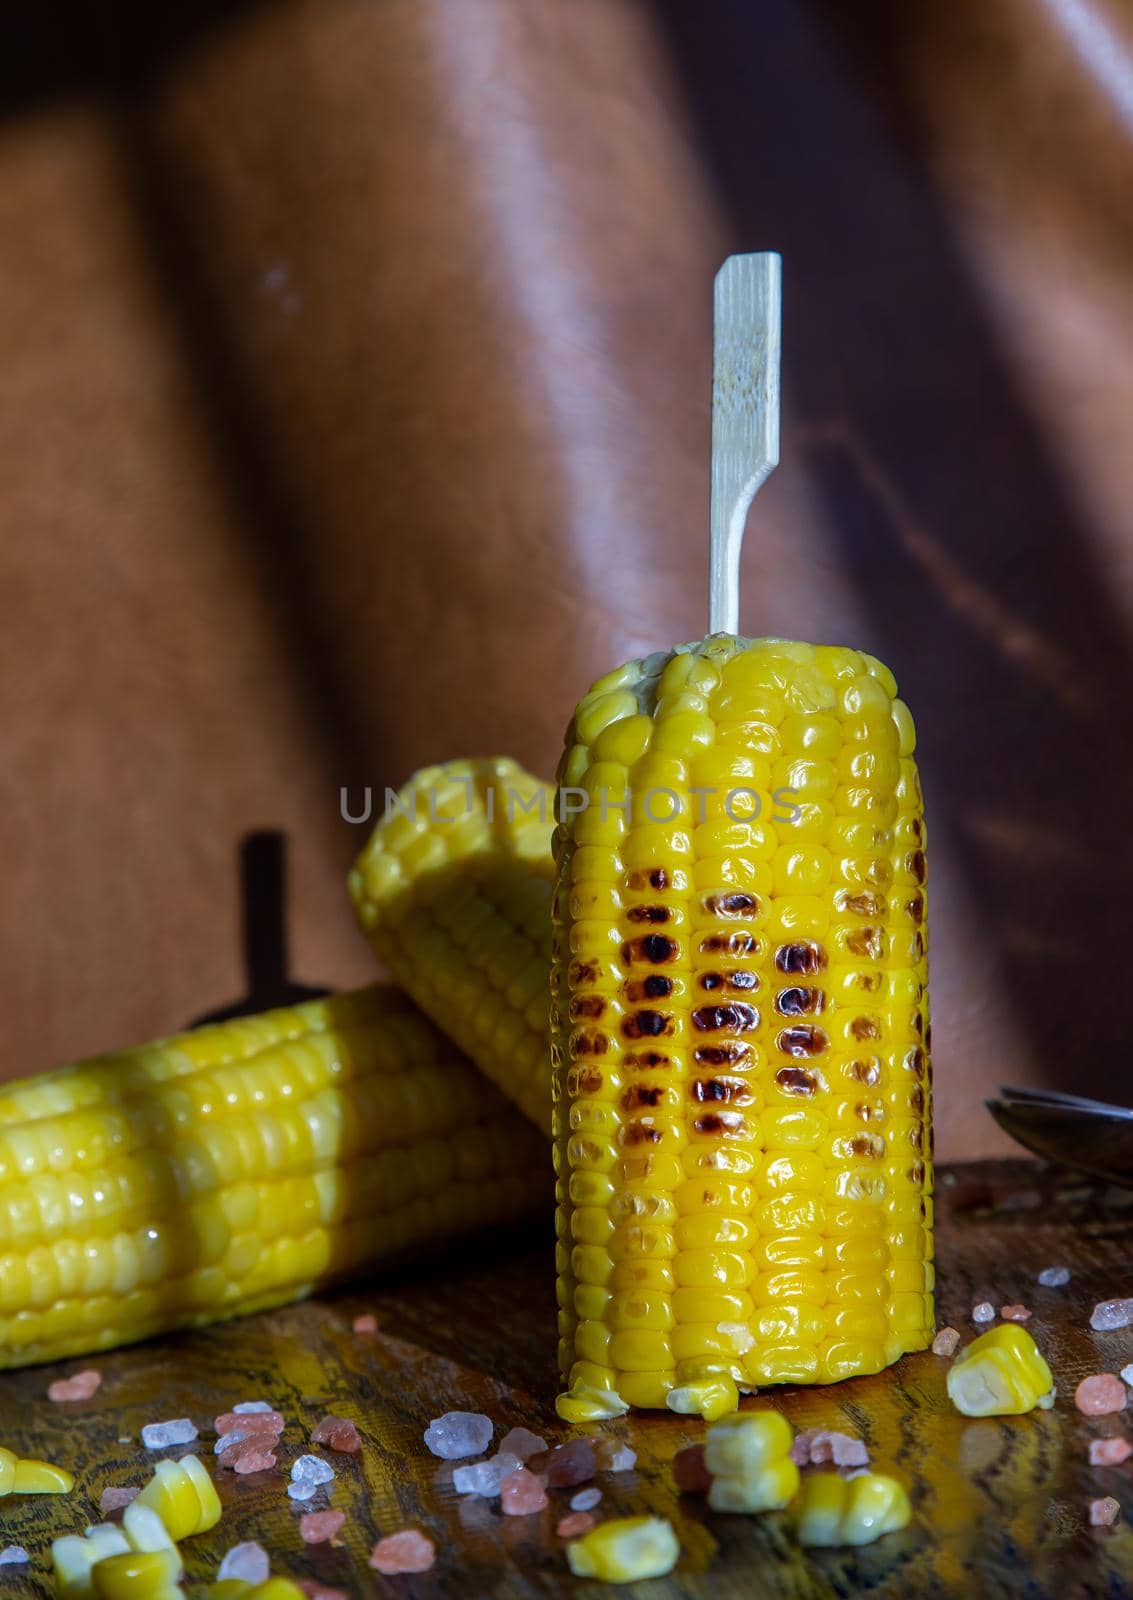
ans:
x=647 y=1025
x=648 y=914
x=586 y=1005
x=868 y=942
x=730 y=905
x=802 y=959
x=658 y=878
x=915 y=864
x=799 y=1002
x=870 y=1146
x=796 y=1080
x=865 y=904
x=653 y=948
x=589 y=1042
x=865 y=1111
x=729 y=1090
x=916 y=1101
x=915 y=1063
x=584 y=1080
x=917 y=1174
x=737 y=1016
x=916 y=1137
x=918 y=948
x=867 y=1072
x=581 y=973
x=711 y=980
x=640 y=1096
x=802 y=1040
x=865 y=1028
x=741 y=980
x=719 y=1122
x=730 y=944
x=648 y=878
x=646 y=1060
x=914 y=909
x=640 y=1133
x=928 y=1039
x=657 y=987
x=733 y=1054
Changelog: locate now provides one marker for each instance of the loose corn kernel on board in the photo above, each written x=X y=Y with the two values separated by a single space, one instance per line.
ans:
x=1000 y=1505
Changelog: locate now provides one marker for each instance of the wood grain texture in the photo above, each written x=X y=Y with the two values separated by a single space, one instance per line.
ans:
x=1000 y=1504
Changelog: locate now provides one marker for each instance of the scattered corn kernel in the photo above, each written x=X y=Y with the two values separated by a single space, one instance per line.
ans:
x=583 y=1403
x=40 y=1477
x=624 y=1550
x=138 y=1575
x=833 y=1510
x=184 y=1497
x=1101 y=1395
x=1000 y=1374
x=749 y=1458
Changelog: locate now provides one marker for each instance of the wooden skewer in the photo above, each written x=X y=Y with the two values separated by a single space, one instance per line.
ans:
x=745 y=416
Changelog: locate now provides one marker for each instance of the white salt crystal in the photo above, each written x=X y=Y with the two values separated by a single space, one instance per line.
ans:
x=984 y=1312
x=302 y=1489
x=585 y=1499
x=311 y=1469
x=13 y=1555
x=1110 y=1314
x=1127 y=1374
x=158 y=1435
x=622 y=1459
x=1054 y=1277
x=521 y=1443
x=234 y=1436
x=250 y=1407
x=458 y=1434
x=484 y=1477
x=248 y=1561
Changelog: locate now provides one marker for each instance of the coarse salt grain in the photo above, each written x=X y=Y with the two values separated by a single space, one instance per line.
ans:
x=585 y=1499
x=690 y=1473
x=1054 y=1277
x=983 y=1312
x=80 y=1386
x=576 y=1524
x=521 y=1494
x=613 y=1456
x=1100 y=1395
x=304 y=1489
x=820 y=1446
x=1109 y=1452
x=1127 y=1374
x=1104 y=1513
x=254 y=1458
x=408 y=1551
x=14 y=1555
x=1015 y=1313
x=573 y=1462
x=484 y=1477
x=521 y=1443
x=1110 y=1314
x=457 y=1434
x=252 y=1408
x=160 y=1435
x=366 y=1323
x=946 y=1343
x=249 y=1562
x=246 y=1422
x=338 y=1433
x=115 y=1499
x=313 y=1469
x=316 y=1527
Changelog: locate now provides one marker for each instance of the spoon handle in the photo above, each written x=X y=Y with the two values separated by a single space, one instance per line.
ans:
x=745 y=416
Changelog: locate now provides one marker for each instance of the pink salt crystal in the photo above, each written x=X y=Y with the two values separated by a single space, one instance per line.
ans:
x=819 y=1446
x=314 y=1590
x=1015 y=1313
x=946 y=1343
x=316 y=1527
x=80 y=1386
x=522 y=1444
x=366 y=1323
x=690 y=1474
x=1099 y=1395
x=571 y=1463
x=1109 y=1452
x=114 y=1499
x=408 y=1551
x=1104 y=1513
x=249 y=1422
x=576 y=1524
x=521 y=1493
x=252 y=1457
x=339 y=1433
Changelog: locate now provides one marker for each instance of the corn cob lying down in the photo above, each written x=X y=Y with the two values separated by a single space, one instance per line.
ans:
x=739 y=1028
x=240 y=1166
x=453 y=892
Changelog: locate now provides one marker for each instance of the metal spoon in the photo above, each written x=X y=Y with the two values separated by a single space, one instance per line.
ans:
x=1069 y=1130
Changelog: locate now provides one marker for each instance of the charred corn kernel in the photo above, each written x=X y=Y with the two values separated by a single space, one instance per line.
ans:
x=739 y=1025
x=183 y=1496
x=1000 y=1374
x=466 y=929
x=241 y=1165
x=833 y=1510
x=40 y=1477
x=584 y=1403
x=749 y=1457
x=138 y=1575
x=626 y=1549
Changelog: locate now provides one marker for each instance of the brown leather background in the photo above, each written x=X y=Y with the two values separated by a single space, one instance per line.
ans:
x=353 y=413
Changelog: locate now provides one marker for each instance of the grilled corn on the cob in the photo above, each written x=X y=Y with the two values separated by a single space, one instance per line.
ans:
x=739 y=1029
x=453 y=892
x=239 y=1166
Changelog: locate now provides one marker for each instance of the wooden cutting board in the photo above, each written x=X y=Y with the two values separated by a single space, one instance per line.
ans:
x=1000 y=1504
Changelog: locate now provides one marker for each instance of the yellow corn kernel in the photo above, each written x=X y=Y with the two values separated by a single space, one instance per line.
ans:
x=737 y=1025
x=1000 y=1374
x=145 y=1530
x=40 y=1477
x=235 y=1167
x=137 y=1575
x=585 y=1402
x=833 y=1510
x=749 y=1457
x=7 y=1470
x=72 y=1560
x=480 y=907
x=277 y=1589
x=625 y=1550
x=183 y=1496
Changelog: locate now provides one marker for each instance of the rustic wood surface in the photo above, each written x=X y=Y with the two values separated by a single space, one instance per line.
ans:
x=1000 y=1504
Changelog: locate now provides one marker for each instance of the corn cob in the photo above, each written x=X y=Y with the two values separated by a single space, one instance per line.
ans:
x=739 y=1027
x=453 y=892
x=240 y=1166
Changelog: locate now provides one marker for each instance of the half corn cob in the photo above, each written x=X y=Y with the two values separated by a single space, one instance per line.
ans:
x=240 y=1166
x=453 y=892
x=739 y=1028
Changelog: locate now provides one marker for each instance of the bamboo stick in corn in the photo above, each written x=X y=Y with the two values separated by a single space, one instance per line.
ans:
x=241 y=1166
